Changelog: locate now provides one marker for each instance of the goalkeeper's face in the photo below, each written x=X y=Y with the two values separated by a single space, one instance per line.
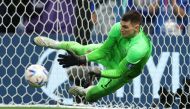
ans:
x=128 y=29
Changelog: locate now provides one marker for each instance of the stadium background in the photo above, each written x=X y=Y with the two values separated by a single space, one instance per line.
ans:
x=167 y=67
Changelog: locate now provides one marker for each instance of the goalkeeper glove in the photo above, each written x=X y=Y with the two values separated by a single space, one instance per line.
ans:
x=95 y=72
x=71 y=59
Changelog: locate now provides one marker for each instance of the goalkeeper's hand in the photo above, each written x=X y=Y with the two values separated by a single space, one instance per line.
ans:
x=71 y=59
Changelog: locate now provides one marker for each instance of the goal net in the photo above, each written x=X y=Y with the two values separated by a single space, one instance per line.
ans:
x=164 y=82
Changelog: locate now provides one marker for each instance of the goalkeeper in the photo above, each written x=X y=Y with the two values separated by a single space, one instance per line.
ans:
x=124 y=54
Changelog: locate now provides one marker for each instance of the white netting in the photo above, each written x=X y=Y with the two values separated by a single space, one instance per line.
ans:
x=70 y=20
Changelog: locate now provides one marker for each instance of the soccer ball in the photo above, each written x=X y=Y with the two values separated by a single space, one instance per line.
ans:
x=36 y=75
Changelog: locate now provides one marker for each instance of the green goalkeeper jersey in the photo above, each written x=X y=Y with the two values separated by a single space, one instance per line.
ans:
x=122 y=56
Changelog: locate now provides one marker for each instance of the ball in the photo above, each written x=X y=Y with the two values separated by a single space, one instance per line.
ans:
x=36 y=75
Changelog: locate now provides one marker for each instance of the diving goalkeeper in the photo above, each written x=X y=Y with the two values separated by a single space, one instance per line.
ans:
x=124 y=54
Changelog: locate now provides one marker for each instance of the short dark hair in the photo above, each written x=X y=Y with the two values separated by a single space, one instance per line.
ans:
x=133 y=16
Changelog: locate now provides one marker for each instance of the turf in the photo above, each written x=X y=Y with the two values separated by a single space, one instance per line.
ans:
x=34 y=108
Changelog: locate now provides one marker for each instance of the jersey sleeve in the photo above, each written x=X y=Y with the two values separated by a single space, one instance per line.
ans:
x=117 y=72
x=136 y=53
x=107 y=45
x=129 y=63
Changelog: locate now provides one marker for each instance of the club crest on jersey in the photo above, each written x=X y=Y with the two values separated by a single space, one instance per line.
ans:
x=130 y=66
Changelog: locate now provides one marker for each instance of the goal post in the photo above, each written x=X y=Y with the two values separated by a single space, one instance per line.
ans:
x=70 y=20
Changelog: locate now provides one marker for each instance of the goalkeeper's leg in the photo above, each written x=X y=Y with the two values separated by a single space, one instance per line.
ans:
x=104 y=87
x=91 y=94
x=46 y=42
x=65 y=45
